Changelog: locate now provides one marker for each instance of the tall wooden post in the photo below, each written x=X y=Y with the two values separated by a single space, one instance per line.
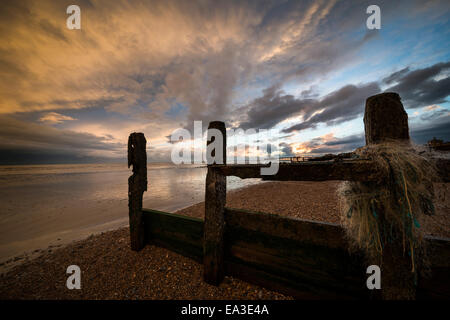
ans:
x=214 y=226
x=137 y=184
x=386 y=119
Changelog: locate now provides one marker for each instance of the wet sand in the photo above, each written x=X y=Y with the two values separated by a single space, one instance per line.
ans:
x=53 y=205
x=110 y=270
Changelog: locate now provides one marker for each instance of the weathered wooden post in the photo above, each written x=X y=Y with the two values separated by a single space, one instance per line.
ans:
x=386 y=119
x=137 y=184
x=215 y=198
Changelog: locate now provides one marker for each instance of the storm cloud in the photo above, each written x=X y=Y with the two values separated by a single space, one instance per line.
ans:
x=273 y=107
x=417 y=88
x=421 y=87
x=23 y=142
x=155 y=66
x=342 y=105
x=339 y=106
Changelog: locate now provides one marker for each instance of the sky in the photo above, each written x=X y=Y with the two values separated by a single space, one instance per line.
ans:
x=302 y=69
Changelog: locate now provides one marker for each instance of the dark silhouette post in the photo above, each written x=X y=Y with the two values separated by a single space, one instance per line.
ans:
x=215 y=198
x=137 y=184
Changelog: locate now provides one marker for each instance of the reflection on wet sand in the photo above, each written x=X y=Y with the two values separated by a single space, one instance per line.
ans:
x=44 y=205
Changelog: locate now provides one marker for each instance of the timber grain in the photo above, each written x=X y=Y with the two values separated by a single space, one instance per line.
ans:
x=301 y=258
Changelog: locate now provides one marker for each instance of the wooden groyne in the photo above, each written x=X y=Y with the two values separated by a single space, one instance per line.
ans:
x=302 y=258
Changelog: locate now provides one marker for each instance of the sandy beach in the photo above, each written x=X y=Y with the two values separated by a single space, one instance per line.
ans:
x=110 y=270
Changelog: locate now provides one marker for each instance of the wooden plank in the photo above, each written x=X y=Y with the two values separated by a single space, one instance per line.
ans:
x=318 y=237
x=178 y=233
x=306 y=268
x=310 y=258
x=215 y=199
x=318 y=233
x=355 y=170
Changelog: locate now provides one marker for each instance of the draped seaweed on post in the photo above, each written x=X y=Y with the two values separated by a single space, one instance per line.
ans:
x=389 y=212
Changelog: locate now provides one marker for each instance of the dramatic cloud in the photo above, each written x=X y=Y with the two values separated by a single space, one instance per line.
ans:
x=417 y=88
x=146 y=56
x=274 y=107
x=342 y=105
x=154 y=66
x=151 y=54
x=20 y=140
x=421 y=87
x=339 y=106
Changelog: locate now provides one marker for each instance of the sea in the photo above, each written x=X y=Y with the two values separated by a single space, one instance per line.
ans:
x=44 y=206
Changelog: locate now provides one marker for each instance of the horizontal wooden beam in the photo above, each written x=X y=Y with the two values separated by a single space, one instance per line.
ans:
x=175 y=232
x=350 y=170
x=356 y=170
x=312 y=232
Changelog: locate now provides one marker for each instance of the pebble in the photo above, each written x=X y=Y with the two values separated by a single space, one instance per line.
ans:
x=143 y=275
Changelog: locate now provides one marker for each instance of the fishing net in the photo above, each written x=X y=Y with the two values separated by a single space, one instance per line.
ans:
x=389 y=212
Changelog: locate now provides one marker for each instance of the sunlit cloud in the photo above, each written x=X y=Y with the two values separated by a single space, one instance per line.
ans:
x=54 y=118
x=155 y=66
x=432 y=107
